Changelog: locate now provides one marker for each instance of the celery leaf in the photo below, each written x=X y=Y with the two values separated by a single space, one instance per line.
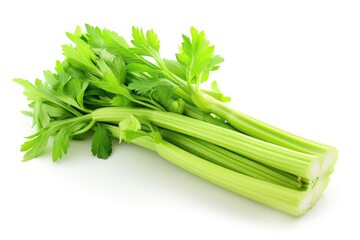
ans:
x=101 y=145
x=196 y=54
x=145 y=44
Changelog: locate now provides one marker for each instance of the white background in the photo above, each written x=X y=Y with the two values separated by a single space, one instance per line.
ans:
x=294 y=64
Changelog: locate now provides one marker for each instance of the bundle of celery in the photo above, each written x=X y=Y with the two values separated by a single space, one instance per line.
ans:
x=117 y=90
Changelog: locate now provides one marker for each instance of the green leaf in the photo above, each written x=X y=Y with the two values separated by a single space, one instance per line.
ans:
x=153 y=40
x=146 y=85
x=105 y=55
x=176 y=68
x=112 y=39
x=37 y=144
x=30 y=91
x=76 y=59
x=38 y=141
x=40 y=116
x=94 y=36
x=74 y=87
x=28 y=113
x=109 y=64
x=141 y=68
x=115 y=101
x=112 y=42
x=196 y=55
x=81 y=56
x=51 y=80
x=72 y=93
x=120 y=101
x=62 y=76
x=65 y=87
x=118 y=68
x=83 y=48
x=130 y=123
x=129 y=129
x=110 y=84
x=39 y=92
x=160 y=90
x=147 y=45
x=55 y=112
x=74 y=72
x=80 y=95
x=61 y=142
x=101 y=145
x=98 y=38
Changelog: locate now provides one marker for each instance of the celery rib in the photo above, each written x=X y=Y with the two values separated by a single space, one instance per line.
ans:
x=299 y=164
x=268 y=133
x=284 y=199
x=229 y=159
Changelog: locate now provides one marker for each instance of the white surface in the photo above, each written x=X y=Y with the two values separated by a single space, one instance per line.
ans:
x=294 y=64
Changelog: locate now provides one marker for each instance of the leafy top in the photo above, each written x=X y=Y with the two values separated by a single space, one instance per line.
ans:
x=196 y=54
x=102 y=70
x=145 y=44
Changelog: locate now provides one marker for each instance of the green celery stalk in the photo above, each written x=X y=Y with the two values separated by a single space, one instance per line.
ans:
x=230 y=160
x=290 y=201
x=297 y=163
x=266 y=132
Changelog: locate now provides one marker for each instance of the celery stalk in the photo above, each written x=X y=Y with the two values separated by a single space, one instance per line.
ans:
x=230 y=160
x=297 y=163
x=266 y=132
x=291 y=201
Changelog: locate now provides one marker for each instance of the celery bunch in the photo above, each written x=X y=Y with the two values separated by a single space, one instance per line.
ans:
x=113 y=89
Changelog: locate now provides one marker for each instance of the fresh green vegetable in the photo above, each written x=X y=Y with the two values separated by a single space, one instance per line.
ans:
x=118 y=90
